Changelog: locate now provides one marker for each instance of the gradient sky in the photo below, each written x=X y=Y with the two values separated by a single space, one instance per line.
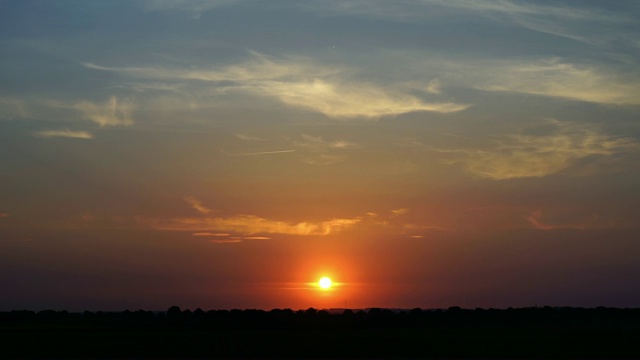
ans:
x=227 y=154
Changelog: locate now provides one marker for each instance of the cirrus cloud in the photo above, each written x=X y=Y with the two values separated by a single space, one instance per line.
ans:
x=251 y=224
x=64 y=133
x=557 y=78
x=522 y=156
x=303 y=83
x=570 y=22
x=197 y=205
x=112 y=113
x=351 y=100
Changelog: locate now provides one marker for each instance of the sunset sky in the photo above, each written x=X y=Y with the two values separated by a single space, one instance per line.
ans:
x=230 y=153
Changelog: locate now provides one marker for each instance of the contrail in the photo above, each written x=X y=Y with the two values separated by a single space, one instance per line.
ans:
x=261 y=153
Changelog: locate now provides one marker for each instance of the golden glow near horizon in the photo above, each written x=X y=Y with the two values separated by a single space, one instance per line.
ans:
x=325 y=283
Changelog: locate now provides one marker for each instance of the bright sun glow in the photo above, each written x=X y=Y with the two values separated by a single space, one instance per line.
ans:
x=325 y=283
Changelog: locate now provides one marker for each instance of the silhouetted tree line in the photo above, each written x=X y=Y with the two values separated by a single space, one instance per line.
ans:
x=524 y=332
x=567 y=318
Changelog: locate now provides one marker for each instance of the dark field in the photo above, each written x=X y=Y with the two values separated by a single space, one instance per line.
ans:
x=530 y=332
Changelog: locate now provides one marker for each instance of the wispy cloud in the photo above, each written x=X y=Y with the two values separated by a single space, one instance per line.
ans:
x=352 y=99
x=535 y=219
x=262 y=153
x=313 y=150
x=577 y=219
x=301 y=82
x=318 y=151
x=13 y=108
x=226 y=241
x=64 y=133
x=399 y=212
x=554 y=19
x=257 y=68
x=252 y=227
x=318 y=144
x=197 y=205
x=520 y=156
x=224 y=238
x=3 y=214
x=411 y=10
x=433 y=87
x=555 y=78
x=512 y=7
x=574 y=22
x=252 y=224
x=111 y=113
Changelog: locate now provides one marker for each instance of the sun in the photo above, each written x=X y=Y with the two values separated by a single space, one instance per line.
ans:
x=325 y=283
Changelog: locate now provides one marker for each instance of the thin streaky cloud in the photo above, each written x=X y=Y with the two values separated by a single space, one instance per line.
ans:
x=566 y=22
x=3 y=214
x=253 y=70
x=535 y=219
x=228 y=241
x=553 y=19
x=352 y=99
x=300 y=82
x=63 y=133
x=542 y=221
x=210 y=234
x=197 y=205
x=556 y=78
x=262 y=153
x=552 y=77
x=410 y=10
x=251 y=224
x=531 y=8
x=93 y=66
